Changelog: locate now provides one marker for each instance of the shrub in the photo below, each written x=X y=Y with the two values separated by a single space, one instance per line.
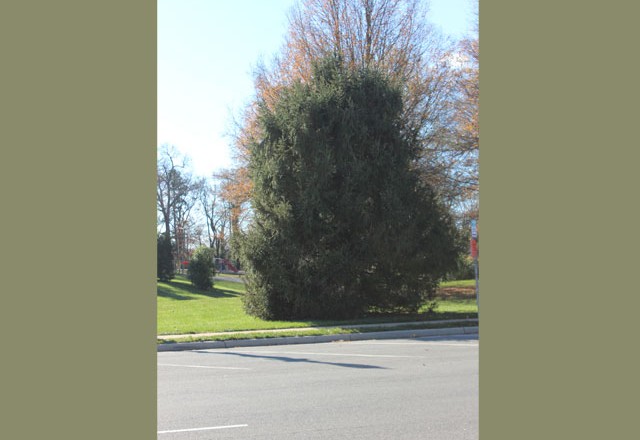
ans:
x=164 y=256
x=202 y=268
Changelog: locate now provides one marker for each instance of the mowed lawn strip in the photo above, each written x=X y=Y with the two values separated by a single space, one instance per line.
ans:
x=183 y=309
x=265 y=334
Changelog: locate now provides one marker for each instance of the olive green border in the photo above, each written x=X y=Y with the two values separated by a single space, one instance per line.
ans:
x=78 y=97
x=558 y=223
x=559 y=210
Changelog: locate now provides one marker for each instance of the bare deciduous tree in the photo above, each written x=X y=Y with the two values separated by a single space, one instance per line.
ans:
x=176 y=197
x=217 y=216
x=394 y=36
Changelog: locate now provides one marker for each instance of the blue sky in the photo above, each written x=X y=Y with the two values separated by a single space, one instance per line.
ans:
x=206 y=52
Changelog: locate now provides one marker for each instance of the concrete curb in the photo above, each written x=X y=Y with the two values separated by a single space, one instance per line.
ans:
x=418 y=333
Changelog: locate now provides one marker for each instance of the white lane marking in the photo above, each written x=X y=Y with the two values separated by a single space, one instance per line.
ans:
x=204 y=366
x=456 y=345
x=202 y=429
x=328 y=354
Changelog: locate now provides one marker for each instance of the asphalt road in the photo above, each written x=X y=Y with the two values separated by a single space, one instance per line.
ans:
x=424 y=388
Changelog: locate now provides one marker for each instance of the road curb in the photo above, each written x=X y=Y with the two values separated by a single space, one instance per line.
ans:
x=286 y=340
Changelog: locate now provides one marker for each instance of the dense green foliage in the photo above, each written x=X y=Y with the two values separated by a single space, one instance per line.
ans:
x=464 y=269
x=165 y=271
x=202 y=268
x=343 y=224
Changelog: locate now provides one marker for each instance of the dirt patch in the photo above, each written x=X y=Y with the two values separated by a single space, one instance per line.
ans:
x=456 y=292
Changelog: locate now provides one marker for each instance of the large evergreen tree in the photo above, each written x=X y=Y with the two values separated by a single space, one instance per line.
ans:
x=343 y=224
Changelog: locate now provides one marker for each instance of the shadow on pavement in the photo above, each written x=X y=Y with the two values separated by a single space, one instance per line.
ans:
x=290 y=359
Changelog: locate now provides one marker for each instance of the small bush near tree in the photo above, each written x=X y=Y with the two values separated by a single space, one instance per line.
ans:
x=202 y=268
x=464 y=270
x=166 y=271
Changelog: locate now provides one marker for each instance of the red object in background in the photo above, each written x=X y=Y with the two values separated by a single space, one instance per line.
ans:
x=185 y=263
x=474 y=248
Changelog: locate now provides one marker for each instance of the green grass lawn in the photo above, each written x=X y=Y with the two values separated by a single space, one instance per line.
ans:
x=183 y=309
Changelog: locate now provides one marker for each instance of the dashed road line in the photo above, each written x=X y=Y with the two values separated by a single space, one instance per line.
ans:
x=202 y=429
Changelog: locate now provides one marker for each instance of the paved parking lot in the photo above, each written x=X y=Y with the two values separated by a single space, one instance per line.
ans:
x=425 y=388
